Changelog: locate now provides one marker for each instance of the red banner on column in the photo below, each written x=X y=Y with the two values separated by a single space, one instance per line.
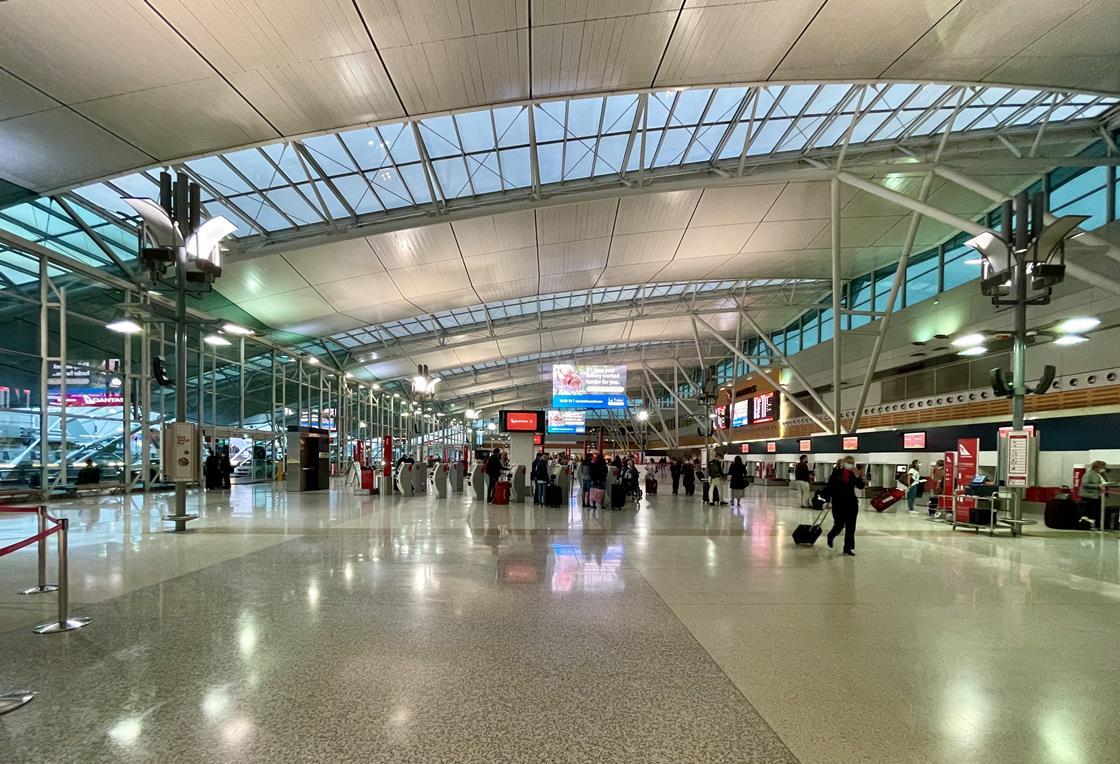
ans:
x=1078 y=476
x=968 y=460
x=948 y=481
x=387 y=454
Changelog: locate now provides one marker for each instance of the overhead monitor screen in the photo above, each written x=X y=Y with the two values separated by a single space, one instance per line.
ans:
x=721 y=417
x=566 y=422
x=771 y=447
x=764 y=408
x=741 y=413
x=913 y=440
x=576 y=386
x=851 y=443
x=745 y=448
x=805 y=445
x=521 y=421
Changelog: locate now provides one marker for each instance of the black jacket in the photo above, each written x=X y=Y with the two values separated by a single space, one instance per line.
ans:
x=801 y=472
x=840 y=491
x=599 y=471
x=494 y=466
x=737 y=474
x=715 y=469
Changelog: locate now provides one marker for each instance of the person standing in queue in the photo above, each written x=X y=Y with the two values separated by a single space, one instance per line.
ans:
x=493 y=472
x=585 y=478
x=737 y=480
x=675 y=473
x=226 y=468
x=688 y=477
x=841 y=491
x=718 y=489
x=936 y=479
x=913 y=484
x=803 y=481
x=599 y=470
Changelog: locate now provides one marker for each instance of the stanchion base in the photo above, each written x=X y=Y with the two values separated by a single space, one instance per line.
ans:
x=54 y=627
x=40 y=589
x=179 y=520
x=10 y=701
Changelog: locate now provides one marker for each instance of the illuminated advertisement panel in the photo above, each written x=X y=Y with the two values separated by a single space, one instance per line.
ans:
x=521 y=421
x=576 y=386
x=567 y=422
x=764 y=408
x=741 y=413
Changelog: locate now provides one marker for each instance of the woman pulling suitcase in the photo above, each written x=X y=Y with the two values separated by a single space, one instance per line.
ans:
x=841 y=491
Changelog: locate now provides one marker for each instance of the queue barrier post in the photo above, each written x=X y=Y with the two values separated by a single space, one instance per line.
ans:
x=43 y=587
x=10 y=701
x=64 y=622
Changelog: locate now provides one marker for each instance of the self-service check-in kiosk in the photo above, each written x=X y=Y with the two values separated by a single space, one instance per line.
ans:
x=440 y=473
x=478 y=481
x=420 y=477
x=404 y=479
x=517 y=483
x=455 y=477
x=564 y=480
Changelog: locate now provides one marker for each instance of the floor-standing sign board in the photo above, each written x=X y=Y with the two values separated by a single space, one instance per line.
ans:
x=945 y=501
x=968 y=459
x=1018 y=459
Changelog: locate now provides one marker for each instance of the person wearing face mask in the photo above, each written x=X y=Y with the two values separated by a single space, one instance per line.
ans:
x=841 y=491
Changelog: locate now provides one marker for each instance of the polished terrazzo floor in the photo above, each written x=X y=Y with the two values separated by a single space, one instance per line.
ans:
x=335 y=627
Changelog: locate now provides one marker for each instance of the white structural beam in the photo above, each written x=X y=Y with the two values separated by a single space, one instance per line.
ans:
x=776 y=384
x=837 y=288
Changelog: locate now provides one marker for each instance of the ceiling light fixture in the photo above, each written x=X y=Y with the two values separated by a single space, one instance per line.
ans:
x=1070 y=339
x=969 y=340
x=124 y=326
x=229 y=328
x=313 y=360
x=1078 y=325
x=974 y=350
x=216 y=340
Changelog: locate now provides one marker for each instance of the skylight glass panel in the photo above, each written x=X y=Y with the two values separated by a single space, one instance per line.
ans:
x=897 y=94
x=219 y=175
x=835 y=132
x=767 y=136
x=1096 y=111
x=285 y=157
x=517 y=168
x=1030 y=116
x=475 y=130
x=415 y=184
x=105 y=198
x=328 y=153
x=452 y=174
x=612 y=149
x=705 y=143
x=439 y=137
x=653 y=138
x=137 y=185
x=512 y=125
x=991 y=96
x=548 y=120
x=734 y=145
x=358 y=194
x=794 y=99
x=867 y=125
x=829 y=98
x=583 y=116
x=657 y=109
x=390 y=188
x=265 y=216
x=550 y=162
x=367 y=147
x=578 y=159
x=401 y=142
x=217 y=208
x=690 y=106
x=484 y=174
x=673 y=146
x=334 y=207
x=803 y=130
x=294 y=206
x=1022 y=97
x=619 y=114
x=927 y=96
x=725 y=104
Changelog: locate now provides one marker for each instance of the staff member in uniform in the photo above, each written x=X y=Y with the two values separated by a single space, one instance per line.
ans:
x=841 y=491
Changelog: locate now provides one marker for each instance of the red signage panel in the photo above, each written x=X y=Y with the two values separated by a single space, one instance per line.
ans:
x=913 y=440
x=745 y=448
x=805 y=445
x=771 y=447
x=851 y=443
x=968 y=461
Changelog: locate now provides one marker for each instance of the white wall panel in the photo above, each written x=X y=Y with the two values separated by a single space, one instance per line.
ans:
x=496 y=233
x=714 y=240
x=431 y=278
x=380 y=309
x=656 y=212
x=568 y=222
x=287 y=308
x=415 y=246
x=337 y=260
x=261 y=277
x=569 y=282
x=689 y=269
x=507 y=290
x=18 y=98
x=855 y=232
x=637 y=248
x=501 y=267
x=574 y=256
x=355 y=292
x=783 y=235
x=736 y=204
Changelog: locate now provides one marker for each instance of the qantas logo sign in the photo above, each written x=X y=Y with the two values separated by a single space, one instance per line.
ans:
x=963 y=451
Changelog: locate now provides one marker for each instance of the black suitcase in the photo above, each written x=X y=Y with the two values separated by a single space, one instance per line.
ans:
x=618 y=496
x=808 y=534
x=651 y=485
x=554 y=496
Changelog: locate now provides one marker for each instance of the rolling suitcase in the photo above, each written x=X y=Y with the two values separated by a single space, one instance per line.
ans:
x=651 y=485
x=501 y=492
x=807 y=534
x=553 y=496
x=618 y=496
x=886 y=500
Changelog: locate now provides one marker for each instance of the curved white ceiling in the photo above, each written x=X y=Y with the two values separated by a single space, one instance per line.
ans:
x=88 y=91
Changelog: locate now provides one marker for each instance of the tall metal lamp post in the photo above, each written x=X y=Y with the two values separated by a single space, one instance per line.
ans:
x=181 y=253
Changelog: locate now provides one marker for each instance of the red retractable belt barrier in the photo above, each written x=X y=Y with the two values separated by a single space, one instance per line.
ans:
x=28 y=541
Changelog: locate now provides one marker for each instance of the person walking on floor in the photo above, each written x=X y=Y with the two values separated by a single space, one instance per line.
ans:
x=225 y=469
x=803 y=481
x=675 y=473
x=688 y=478
x=737 y=480
x=541 y=478
x=841 y=491
x=718 y=486
x=913 y=484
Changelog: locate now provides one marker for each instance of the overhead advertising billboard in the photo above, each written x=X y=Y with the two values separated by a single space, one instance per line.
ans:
x=520 y=421
x=567 y=422
x=575 y=386
x=721 y=417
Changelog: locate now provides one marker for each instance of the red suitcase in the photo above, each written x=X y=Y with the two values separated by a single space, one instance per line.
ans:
x=501 y=492
x=651 y=485
x=886 y=500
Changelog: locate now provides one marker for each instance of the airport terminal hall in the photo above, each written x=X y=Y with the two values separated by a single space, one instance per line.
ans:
x=531 y=381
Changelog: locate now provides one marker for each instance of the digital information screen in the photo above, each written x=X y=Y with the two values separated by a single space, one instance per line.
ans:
x=851 y=443
x=745 y=448
x=741 y=414
x=576 y=386
x=913 y=440
x=771 y=447
x=764 y=408
x=521 y=421
x=562 y=422
x=721 y=417
x=805 y=445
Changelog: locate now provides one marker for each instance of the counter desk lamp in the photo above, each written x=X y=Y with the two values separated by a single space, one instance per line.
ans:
x=181 y=252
